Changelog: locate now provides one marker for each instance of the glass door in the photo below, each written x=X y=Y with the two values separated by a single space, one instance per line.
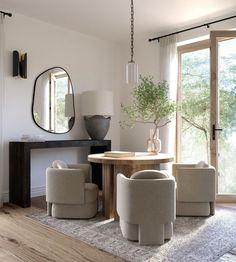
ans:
x=223 y=112
x=192 y=143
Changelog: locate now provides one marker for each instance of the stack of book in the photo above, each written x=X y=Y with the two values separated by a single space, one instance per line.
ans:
x=119 y=154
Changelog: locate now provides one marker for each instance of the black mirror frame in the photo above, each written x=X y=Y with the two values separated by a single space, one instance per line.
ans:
x=71 y=121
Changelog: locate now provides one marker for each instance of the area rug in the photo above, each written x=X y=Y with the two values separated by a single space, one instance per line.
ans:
x=195 y=238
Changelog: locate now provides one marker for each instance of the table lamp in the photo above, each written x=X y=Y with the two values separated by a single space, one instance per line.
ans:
x=97 y=109
x=69 y=109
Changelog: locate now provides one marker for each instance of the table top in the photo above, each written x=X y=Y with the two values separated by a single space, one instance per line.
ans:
x=140 y=157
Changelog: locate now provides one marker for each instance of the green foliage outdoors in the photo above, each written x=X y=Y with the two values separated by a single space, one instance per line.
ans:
x=150 y=104
x=195 y=112
x=61 y=91
x=196 y=96
x=195 y=104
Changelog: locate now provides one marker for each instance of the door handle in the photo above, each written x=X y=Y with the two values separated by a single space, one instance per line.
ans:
x=214 y=129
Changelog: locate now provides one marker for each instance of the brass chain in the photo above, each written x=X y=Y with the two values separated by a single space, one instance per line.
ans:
x=132 y=32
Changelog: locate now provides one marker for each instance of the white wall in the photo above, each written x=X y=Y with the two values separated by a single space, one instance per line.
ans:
x=91 y=64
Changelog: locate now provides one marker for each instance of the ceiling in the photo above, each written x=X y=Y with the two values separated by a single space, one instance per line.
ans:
x=110 y=19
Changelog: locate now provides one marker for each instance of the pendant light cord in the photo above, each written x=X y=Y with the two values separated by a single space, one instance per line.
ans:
x=131 y=66
x=132 y=32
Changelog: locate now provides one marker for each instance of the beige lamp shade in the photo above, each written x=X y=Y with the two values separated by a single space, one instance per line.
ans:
x=97 y=102
x=69 y=106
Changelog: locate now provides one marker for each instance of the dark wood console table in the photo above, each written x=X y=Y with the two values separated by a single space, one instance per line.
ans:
x=19 y=164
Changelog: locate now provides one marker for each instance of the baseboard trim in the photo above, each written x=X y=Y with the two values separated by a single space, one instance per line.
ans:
x=227 y=198
x=5 y=197
x=35 y=192
x=38 y=191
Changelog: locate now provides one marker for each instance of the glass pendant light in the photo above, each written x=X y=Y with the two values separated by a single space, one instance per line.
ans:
x=132 y=67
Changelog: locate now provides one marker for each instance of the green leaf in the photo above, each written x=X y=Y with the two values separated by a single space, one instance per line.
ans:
x=150 y=103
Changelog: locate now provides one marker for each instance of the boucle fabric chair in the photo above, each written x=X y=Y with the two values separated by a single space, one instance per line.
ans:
x=69 y=193
x=195 y=192
x=146 y=206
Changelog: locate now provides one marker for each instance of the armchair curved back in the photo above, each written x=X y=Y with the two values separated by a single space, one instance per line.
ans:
x=139 y=200
x=196 y=189
x=65 y=185
x=196 y=184
x=86 y=168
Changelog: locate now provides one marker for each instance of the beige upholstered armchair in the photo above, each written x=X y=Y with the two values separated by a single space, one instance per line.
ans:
x=69 y=193
x=195 y=189
x=146 y=206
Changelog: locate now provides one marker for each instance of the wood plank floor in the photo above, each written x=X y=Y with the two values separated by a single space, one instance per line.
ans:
x=23 y=239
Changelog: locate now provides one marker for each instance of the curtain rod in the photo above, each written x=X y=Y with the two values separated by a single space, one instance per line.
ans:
x=191 y=28
x=4 y=13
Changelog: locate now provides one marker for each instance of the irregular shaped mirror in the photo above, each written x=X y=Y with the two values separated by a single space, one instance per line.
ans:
x=53 y=101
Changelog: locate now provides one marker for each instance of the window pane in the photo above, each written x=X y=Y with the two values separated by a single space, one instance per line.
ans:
x=227 y=117
x=195 y=102
x=61 y=91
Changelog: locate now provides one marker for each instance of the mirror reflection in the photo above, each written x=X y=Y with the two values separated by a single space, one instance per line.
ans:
x=53 y=101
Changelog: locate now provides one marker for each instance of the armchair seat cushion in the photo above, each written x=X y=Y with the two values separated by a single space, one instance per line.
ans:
x=91 y=193
x=75 y=211
x=192 y=208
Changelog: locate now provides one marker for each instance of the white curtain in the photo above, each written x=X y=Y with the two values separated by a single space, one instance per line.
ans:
x=2 y=94
x=168 y=72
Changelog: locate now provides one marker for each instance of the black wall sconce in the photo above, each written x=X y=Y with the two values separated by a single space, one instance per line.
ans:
x=19 y=64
